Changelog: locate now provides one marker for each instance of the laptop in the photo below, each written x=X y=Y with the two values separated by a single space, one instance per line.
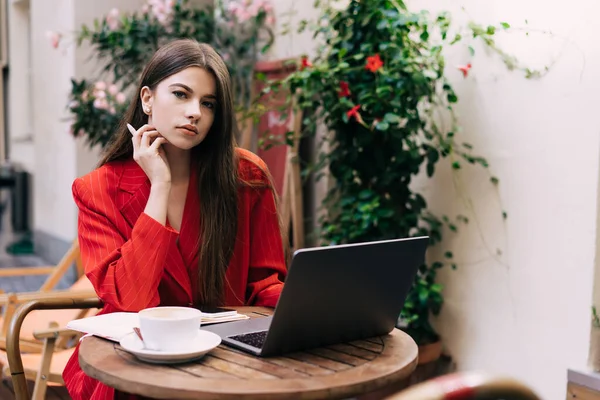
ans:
x=332 y=295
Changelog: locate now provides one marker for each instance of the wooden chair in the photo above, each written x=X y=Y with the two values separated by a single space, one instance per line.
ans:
x=43 y=319
x=467 y=386
x=46 y=367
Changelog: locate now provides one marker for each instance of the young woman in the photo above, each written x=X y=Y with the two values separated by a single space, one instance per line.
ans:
x=176 y=214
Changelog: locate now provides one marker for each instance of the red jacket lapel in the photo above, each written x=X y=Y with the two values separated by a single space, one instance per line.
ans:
x=134 y=190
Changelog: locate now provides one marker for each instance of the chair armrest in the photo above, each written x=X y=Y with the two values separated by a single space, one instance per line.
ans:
x=25 y=271
x=53 y=333
x=12 y=341
x=52 y=295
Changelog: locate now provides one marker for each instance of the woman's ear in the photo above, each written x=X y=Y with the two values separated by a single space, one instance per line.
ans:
x=147 y=98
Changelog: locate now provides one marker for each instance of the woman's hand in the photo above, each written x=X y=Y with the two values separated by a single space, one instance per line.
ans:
x=149 y=154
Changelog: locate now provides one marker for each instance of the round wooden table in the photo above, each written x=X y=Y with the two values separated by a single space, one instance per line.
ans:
x=331 y=372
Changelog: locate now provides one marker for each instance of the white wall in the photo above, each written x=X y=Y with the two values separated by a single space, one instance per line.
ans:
x=293 y=44
x=54 y=164
x=526 y=313
x=20 y=122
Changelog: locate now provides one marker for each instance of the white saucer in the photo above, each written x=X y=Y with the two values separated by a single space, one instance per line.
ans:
x=204 y=342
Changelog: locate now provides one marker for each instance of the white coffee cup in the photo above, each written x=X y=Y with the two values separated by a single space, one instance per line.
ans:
x=169 y=328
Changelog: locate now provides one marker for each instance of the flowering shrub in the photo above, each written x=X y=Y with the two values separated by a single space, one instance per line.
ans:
x=124 y=42
x=241 y=37
x=379 y=85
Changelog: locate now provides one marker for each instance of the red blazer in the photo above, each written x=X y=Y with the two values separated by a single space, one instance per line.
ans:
x=134 y=262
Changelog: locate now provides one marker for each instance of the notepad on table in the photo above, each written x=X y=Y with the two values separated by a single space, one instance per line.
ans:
x=115 y=326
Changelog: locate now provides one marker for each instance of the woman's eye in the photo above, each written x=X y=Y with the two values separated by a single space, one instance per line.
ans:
x=208 y=104
x=179 y=94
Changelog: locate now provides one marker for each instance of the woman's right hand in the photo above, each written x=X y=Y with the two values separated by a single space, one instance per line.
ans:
x=149 y=154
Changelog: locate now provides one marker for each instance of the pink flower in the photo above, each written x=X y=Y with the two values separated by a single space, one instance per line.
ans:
x=464 y=69
x=99 y=94
x=161 y=9
x=112 y=19
x=243 y=15
x=100 y=85
x=267 y=6
x=84 y=95
x=270 y=20
x=233 y=7
x=254 y=9
x=113 y=89
x=54 y=38
x=100 y=104
x=120 y=98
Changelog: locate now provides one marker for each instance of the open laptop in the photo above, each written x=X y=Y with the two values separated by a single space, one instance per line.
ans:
x=332 y=295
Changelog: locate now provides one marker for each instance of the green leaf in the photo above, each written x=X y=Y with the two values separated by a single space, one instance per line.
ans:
x=386 y=213
x=391 y=118
x=382 y=126
x=505 y=25
x=430 y=169
x=436 y=287
x=455 y=165
x=448 y=254
x=365 y=194
x=383 y=24
x=471 y=51
x=491 y=30
x=494 y=180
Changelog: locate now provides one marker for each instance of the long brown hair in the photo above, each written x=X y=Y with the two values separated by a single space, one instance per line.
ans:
x=214 y=159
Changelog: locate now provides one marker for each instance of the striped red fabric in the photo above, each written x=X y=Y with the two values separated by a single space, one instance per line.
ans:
x=134 y=262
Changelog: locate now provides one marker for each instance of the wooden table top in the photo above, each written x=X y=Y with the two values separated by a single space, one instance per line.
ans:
x=338 y=371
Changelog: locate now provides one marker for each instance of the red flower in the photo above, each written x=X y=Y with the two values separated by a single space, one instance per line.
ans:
x=374 y=63
x=353 y=112
x=464 y=69
x=305 y=63
x=344 y=89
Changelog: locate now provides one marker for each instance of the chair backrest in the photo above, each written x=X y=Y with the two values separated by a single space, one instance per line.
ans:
x=467 y=386
x=72 y=255
x=10 y=301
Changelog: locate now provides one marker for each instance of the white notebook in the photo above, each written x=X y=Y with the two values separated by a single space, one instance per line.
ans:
x=115 y=326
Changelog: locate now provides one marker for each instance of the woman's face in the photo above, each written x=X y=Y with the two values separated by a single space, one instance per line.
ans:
x=182 y=107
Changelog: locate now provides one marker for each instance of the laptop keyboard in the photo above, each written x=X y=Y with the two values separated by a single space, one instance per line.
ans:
x=255 y=339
